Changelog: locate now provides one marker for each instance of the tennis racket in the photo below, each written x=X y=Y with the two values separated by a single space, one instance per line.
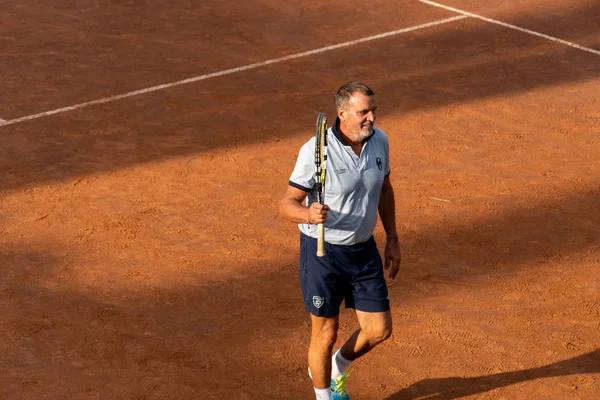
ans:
x=320 y=170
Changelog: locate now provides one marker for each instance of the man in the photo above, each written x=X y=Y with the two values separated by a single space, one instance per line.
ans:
x=357 y=188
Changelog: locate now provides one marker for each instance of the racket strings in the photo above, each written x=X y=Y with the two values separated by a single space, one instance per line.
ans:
x=321 y=157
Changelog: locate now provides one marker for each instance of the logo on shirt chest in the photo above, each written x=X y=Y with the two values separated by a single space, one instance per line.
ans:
x=340 y=171
x=379 y=163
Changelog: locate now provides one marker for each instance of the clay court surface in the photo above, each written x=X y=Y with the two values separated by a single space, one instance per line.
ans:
x=141 y=255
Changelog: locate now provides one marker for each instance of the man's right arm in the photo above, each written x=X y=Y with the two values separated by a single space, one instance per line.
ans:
x=292 y=209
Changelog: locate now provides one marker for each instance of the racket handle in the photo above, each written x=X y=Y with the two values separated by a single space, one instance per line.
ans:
x=320 y=240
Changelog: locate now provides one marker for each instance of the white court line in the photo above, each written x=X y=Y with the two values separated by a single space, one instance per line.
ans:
x=229 y=71
x=518 y=28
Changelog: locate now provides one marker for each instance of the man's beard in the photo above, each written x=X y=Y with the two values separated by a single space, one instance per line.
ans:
x=366 y=131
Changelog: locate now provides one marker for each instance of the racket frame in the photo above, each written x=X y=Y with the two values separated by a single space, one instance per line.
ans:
x=321 y=174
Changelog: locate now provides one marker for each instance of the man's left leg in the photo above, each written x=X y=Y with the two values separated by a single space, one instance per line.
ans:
x=370 y=299
x=375 y=327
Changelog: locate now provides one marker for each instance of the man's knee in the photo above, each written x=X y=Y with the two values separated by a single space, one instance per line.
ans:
x=385 y=333
x=324 y=331
x=378 y=334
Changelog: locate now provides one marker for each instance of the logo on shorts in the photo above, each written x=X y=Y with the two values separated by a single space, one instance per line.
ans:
x=379 y=163
x=318 y=301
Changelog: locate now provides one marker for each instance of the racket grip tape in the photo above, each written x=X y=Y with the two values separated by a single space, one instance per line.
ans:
x=320 y=240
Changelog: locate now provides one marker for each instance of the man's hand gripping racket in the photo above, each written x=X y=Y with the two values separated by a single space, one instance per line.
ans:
x=320 y=175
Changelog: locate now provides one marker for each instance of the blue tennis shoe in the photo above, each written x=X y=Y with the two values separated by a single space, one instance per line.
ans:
x=338 y=387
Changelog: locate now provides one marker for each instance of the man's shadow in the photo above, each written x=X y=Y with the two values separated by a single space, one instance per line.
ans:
x=455 y=387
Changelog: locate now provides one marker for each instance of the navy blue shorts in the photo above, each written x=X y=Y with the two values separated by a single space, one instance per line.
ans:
x=352 y=273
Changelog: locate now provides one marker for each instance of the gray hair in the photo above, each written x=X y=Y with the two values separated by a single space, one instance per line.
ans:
x=347 y=90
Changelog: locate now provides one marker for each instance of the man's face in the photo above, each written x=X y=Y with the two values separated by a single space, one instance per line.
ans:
x=358 y=117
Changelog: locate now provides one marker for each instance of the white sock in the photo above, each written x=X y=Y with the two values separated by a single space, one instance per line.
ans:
x=323 y=394
x=338 y=364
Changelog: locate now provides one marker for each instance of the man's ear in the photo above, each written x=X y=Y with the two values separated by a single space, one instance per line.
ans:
x=341 y=114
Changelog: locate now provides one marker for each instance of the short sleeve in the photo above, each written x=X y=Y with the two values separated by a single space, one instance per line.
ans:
x=303 y=176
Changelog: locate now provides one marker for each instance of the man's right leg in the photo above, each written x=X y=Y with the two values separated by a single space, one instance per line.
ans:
x=322 y=339
x=323 y=290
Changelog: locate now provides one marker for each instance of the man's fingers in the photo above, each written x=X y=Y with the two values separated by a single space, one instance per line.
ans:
x=395 y=268
x=318 y=213
x=322 y=208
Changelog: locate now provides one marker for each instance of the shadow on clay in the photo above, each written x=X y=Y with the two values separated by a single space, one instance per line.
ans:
x=456 y=387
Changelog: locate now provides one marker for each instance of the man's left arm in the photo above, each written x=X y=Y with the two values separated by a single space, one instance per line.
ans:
x=387 y=213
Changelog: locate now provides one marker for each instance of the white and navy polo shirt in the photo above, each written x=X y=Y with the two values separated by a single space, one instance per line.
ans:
x=352 y=185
